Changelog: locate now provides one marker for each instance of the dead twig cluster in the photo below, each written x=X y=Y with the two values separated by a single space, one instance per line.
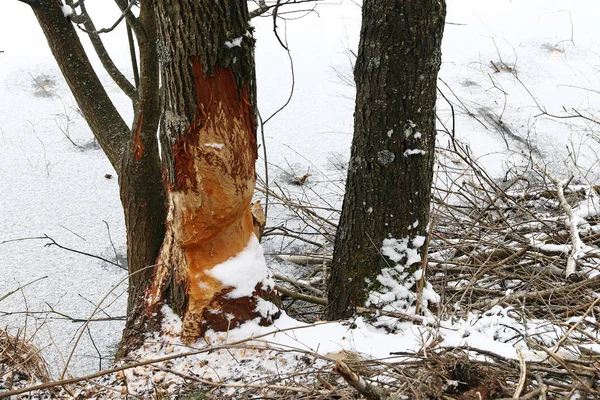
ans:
x=514 y=243
x=20 y=362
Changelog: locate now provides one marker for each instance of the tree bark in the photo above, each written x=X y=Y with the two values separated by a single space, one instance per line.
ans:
x=104 y=120
x=386 y=206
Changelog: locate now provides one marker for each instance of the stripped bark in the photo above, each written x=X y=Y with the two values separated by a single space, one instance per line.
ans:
x=370 y=392
x=209 y=144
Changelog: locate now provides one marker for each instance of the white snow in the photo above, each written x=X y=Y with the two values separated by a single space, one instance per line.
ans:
x=413 y=152
x=67 y=10
x=397 y=292
x=216 y=146
x=237 y=42
x=398 y=249
x=244 y=271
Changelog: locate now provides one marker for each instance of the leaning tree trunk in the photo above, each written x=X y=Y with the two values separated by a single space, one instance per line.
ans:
x=208 y=139
x=381 y=236
x=133 y=152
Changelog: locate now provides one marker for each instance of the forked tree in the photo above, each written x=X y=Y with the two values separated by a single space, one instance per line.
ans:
x=188 y=209
x=380 y=242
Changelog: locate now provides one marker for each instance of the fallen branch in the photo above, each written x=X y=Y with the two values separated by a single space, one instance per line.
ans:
x=523 y=376
x=299 y=296
x=360 y=310
x=540 y=294
x=297 y=283
x=304 y=260
x=370 y=392
x=576 y=243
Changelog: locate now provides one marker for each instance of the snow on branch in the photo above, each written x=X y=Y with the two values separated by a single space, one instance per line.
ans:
x=572 y=222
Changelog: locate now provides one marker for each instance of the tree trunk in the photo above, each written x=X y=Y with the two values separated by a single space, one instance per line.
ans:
x=208 y=139
x=192 y=213
x=381 y=235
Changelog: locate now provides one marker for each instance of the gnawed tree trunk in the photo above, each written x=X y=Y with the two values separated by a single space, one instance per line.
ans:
x=209 y=146
x=189 y=211
x=381 y=235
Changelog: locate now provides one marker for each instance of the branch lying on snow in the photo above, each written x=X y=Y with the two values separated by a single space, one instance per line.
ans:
x=370 y=392
x=540 y=294
x=299 y=296
x=360 y=310
x=572 y=222
x=577 y=245
x=305 y=260
x=298 y=283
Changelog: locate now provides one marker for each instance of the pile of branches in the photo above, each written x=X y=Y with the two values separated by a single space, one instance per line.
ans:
x=516 y=243
x=20 y=362
x=525 y=248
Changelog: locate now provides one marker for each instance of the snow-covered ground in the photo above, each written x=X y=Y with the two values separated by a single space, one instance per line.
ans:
x=500 y=58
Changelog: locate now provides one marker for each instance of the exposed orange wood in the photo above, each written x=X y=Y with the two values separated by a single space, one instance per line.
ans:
x=138 y=144
x=209 y=218
x=259 y=218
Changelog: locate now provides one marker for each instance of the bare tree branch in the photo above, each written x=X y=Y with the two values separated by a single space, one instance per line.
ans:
x=118 y=21
x=104 y=120
x=264 y=8
x=108 y=64
x=134 y=63
x=135 y=24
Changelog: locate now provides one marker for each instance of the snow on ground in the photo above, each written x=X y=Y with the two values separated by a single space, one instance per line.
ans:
x=545 y=50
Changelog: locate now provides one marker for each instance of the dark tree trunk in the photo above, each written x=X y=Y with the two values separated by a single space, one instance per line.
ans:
x=133 y=152
x=384 y=218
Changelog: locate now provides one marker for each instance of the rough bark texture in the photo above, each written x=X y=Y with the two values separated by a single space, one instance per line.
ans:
x=209 y=146
x=103 y=118
x=193 y=212
x=141 y=183
x=391 y=166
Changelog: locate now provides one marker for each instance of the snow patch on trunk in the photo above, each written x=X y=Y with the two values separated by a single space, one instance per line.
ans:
x=217 y=146
x=237 y=42
x=67 y=10
x=244 y=271
x=397 y=283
